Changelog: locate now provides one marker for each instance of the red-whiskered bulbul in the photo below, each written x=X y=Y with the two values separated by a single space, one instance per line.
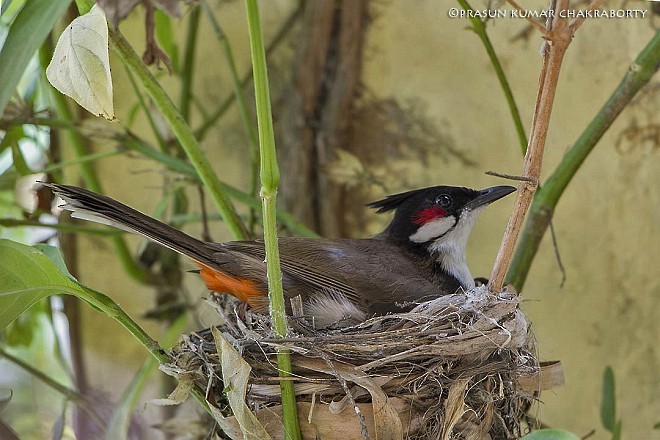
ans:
x=418 y=257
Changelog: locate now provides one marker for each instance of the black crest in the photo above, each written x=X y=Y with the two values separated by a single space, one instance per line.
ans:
x=393 y=201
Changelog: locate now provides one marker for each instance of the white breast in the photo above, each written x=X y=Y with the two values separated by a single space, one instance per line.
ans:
x=450 y=248
x=333 y=309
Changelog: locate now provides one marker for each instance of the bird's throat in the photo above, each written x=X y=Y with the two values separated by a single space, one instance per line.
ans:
x=455 y=264
x=449 y=249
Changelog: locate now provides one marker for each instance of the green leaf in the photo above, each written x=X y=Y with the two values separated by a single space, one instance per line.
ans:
x=27 y=33
x=26 y=276
x=551 y=434
x=165 y=35
x=19 y=160
x=80 y=67
x=55 y=257
x=608 y=401
x=10 y=140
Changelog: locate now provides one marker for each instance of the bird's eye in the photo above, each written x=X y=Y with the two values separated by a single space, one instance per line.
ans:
x=443 y=201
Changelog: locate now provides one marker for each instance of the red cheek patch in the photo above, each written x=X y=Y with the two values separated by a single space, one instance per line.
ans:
x=428 y=214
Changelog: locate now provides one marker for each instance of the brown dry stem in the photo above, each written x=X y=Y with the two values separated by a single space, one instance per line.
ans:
x=559 y=35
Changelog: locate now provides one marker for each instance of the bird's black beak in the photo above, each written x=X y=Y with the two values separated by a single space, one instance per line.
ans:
x=489 y=195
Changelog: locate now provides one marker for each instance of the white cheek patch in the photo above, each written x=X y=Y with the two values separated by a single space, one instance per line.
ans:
x=433 y=229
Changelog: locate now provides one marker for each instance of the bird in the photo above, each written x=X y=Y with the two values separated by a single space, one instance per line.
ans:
x=420 y=256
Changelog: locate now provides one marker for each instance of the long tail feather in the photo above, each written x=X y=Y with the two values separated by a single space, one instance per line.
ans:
x=95 y=207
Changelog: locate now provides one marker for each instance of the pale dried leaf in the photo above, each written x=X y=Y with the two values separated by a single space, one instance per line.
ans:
x=235 y=375
x=179 y=395
x=454 y=407
x=228 y=425
x=550 y=375
x=80 y=67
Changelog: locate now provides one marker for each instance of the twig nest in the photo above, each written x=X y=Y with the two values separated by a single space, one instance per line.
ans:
x=449 y=369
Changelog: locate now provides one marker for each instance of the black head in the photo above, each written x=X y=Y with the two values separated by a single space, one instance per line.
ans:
x=424 y=215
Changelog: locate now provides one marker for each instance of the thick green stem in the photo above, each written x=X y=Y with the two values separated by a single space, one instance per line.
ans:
x=182 y=132
x=545 y=200
x=270 y=176
x=479 y=27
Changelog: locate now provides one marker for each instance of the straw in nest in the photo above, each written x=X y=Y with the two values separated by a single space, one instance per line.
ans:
x=449 y=369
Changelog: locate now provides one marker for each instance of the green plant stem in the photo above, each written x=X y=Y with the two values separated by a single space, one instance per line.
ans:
x=87 y=171
x=479 y=27
x=189 y=62
x=546 y=199
x=270 y=176
x=78 y=399
x=145 y=109
x=286 y=27
x=182 y=132
x=241 y=102
x=67 y=227
x=87 y=158
x=185 y=169
x=108 y=307
x=133 y=143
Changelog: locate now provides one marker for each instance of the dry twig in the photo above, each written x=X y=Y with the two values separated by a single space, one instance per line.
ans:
x=559 y=35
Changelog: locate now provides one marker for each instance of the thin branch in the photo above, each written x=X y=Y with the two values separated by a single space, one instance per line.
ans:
x=560 y=38
x=246 y=118
x=534 y=22
x=67 y=227
x=575 y=25
x=512 y=177
x=639 y=74
x=555 y=246
x=284 y=30
x=189 y=63
x=79 y=399
x=146 y=110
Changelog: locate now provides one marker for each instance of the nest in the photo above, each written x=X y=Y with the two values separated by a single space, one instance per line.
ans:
x=451 y=368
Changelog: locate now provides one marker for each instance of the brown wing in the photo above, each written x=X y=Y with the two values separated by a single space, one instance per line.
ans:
x=373 y=274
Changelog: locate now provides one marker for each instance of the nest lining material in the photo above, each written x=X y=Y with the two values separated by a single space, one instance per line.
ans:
x=448 y=369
